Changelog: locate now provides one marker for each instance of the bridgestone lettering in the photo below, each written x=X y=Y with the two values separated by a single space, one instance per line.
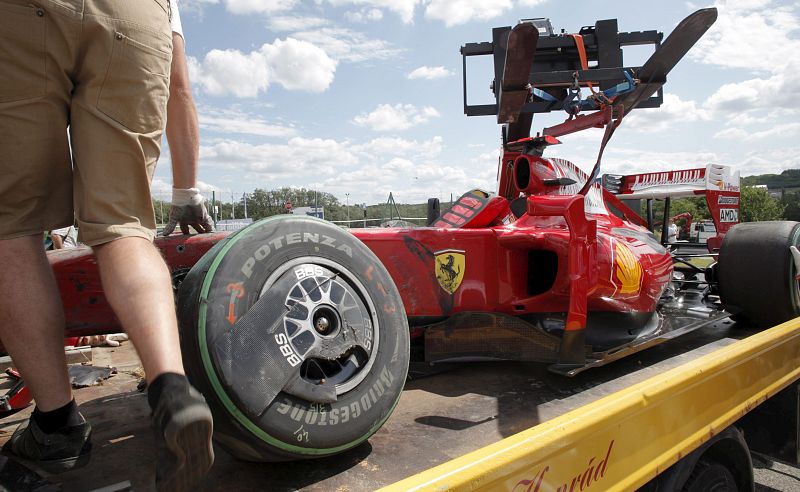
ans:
x=279 y=242
x=333 y=414
x=728 y=200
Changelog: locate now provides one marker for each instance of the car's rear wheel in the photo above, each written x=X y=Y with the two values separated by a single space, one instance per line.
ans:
x=295 y=333
x=757 y=274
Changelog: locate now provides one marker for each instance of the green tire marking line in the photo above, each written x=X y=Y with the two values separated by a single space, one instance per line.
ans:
x=212 y=375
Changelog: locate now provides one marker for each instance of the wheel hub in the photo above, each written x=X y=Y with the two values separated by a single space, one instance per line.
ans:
x=328 y=321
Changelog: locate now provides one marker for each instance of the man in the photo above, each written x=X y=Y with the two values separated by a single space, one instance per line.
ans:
x=672 y=235
x=99 y=68
x=183 y=135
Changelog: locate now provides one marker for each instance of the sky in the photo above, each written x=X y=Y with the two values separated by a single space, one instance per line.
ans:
x=360 y=98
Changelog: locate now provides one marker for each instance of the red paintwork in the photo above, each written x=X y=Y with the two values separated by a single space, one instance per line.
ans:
x=495 y=278
x=86 y=309
x=598 y=119
x=587 y=245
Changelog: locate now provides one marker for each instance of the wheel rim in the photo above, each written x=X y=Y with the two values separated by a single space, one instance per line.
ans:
x=329 y=312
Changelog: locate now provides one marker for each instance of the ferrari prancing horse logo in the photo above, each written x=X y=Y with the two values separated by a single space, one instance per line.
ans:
x=449 y=268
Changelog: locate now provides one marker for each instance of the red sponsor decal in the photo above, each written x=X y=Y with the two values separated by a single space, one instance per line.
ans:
x=593 y=472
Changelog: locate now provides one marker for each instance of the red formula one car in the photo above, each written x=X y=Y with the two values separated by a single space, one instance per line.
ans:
x=300 y=333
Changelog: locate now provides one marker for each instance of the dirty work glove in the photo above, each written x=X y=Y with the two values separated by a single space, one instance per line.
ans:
x=188 y=209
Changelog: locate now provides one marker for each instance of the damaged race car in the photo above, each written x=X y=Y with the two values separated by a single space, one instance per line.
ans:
x=299 y=333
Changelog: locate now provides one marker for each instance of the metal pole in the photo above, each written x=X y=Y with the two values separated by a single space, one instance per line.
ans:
x=233 y=206
x=244 y=197
x=665 y=222
x=347 y=206
x=214 y=204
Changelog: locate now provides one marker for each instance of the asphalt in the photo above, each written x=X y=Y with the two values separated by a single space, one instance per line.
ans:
x=438 y=418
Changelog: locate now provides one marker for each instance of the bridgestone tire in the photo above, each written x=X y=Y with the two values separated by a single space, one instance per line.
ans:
x=273 y=259
x=757 y=273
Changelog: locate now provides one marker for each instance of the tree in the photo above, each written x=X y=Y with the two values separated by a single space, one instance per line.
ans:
x=757 y=205
x=792 y=203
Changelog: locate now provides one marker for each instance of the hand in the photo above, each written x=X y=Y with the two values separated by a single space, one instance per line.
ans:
x=188 y=209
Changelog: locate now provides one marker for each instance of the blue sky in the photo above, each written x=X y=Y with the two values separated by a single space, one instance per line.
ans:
x=364 y=97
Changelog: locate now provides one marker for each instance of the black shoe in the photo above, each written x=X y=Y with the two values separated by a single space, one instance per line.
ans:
x=65 y=449
x=183 y=427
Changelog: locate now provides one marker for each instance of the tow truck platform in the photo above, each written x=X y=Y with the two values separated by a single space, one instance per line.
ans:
x=486 y=425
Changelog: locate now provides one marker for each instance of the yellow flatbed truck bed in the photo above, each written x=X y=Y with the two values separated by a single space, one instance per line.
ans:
x=627 y=440
x=491 y=425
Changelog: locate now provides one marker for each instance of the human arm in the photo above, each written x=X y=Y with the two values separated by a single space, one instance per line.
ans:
x=183 y=135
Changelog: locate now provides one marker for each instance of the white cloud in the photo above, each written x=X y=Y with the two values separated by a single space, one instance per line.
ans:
x=230 y=72
x=229 y=121
x=260 y=6
x=749 y=108
x=776 y=131
x=344 y=44
x=674 y=111
x=771 y=160
x=455 y=12
x=388 y=146
x=291 y=23
x=759 y=94
x=369 y=170
x=403 y=8
x=294 y=64
x=161 y=189
x=430 y=73
x=398 y=117
x=298 y=156
x=754 y=35
x=731 y=134
x=299 y=65
x=620 y=160
x=364 y=15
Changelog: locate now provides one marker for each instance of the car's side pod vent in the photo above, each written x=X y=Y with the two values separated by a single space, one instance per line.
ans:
x=542 y=270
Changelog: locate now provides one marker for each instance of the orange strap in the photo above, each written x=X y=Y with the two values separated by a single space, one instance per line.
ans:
x=581 y=50
x=582 y=55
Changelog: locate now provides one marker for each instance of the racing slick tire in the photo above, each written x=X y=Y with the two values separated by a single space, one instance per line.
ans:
x=296 y=335
x=757 y=274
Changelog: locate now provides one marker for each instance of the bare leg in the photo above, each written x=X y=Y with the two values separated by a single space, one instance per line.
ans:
x=138 y=286
x=32 y=320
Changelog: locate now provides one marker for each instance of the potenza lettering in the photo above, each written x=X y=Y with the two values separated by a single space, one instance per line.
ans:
x=280 y=242
x=728 y=200
x=546 y=478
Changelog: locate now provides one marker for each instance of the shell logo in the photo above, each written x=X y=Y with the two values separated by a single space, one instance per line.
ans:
x=627 y=269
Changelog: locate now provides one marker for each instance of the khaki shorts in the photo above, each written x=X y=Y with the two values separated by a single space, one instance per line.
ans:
x=83 y=95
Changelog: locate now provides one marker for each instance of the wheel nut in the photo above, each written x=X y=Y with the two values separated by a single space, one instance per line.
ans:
x=322 y=325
